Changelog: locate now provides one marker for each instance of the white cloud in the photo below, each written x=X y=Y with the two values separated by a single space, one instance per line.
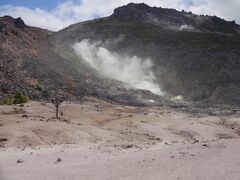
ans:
x=37 y=17
x=228 y=10
x=70 y=12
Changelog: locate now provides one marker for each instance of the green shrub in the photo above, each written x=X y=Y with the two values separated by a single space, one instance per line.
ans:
x=20 y=99
x=6 y=101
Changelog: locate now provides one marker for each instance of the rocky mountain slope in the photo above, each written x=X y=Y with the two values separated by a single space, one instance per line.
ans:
x=194 y=56
x=31 y=65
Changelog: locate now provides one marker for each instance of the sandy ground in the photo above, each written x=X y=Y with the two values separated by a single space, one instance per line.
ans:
x=99 y=140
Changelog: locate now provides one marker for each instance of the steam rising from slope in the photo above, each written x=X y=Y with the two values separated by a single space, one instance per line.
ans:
x=131 y=70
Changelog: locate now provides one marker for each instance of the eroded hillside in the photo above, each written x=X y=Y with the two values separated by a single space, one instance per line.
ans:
x=196 y=57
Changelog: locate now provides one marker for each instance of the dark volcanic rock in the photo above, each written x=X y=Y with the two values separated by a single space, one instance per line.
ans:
x=132 y=11
x=19 y=23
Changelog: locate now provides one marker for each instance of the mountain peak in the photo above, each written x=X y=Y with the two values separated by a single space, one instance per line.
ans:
x=141 y=9
x=131 y=11
x=141 y=6
x=173 y=19
x=8 y=21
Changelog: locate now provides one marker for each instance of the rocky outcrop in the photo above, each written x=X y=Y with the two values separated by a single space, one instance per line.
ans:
x=19 y=23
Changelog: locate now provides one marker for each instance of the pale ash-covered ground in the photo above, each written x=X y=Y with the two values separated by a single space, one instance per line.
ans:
x=100 y=140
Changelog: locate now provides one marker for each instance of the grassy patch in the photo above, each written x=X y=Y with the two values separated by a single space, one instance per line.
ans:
x=18 y=99
x=6 y=101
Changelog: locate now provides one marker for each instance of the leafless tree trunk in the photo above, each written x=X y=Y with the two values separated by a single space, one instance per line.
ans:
x=57 y=102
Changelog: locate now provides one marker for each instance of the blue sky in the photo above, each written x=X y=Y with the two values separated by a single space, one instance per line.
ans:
x=57 y=14
x=44 y=4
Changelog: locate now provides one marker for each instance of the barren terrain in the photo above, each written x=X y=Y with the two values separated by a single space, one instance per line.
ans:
x=101 y=140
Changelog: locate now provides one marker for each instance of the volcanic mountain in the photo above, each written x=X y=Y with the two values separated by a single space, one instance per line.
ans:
x=195 y=57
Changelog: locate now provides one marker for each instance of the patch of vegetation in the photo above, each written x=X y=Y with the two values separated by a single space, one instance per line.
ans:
x=6 y=101
x=18 y=99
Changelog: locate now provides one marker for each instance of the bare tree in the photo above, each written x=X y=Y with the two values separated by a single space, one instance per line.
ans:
x=57 y=102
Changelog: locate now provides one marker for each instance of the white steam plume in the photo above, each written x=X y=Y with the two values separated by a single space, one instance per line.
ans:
x=131 y=70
